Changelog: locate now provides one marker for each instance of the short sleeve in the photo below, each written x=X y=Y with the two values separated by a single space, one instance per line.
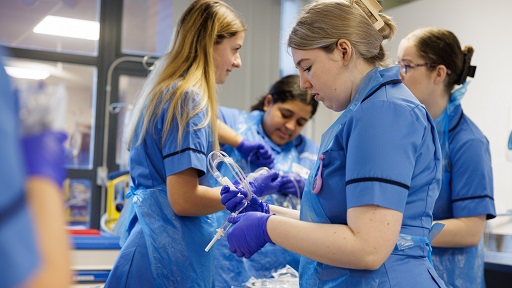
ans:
x=229 y=116
x=192 y=151
x=382 y=143
x=472 y=182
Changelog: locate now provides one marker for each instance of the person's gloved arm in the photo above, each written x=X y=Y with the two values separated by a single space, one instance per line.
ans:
x=233 y=201
x=264 y=184
x=45 y=156
x=256 y=153
x=292 y=184
x=248 y=234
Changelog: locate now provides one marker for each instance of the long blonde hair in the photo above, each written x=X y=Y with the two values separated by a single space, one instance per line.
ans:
x=187 y=67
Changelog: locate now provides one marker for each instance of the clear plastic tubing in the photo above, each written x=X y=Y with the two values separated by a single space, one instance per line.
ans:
x=214 y=159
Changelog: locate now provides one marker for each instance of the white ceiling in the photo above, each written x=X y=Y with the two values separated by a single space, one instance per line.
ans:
x=19 y=17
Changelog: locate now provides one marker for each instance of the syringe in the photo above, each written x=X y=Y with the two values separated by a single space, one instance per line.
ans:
x=225 y=226
x=214 y=158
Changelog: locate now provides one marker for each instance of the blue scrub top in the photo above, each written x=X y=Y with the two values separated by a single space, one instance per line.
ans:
x=151 y=162
x=467 y=190
x=18 y=251
x=299 y=156
x=303 y=149
x=385 y=152
x=158 y=241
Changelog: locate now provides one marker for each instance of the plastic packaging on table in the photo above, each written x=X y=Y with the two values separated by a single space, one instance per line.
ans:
x=286 y=277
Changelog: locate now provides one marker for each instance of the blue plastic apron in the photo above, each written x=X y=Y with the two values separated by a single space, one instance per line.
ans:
x=175 y=243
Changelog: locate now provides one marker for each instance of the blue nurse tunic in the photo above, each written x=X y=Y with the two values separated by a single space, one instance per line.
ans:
x=160 y=248
x=383 y=150
x=467 y=190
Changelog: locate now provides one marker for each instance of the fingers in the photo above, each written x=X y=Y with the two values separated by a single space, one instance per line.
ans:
x=267 y=161
x=262 y=157
x=293 y=184
x=274 y=176
x=232 y=199
x=234 y=219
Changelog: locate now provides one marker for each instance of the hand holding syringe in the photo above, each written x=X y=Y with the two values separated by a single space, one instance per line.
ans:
x=221 y=231
x=213 y=159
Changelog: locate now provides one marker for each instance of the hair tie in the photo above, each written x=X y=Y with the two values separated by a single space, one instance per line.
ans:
x=374 y=8
x=467 y=69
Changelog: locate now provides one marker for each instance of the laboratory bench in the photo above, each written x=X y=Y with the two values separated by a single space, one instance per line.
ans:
x=498 y=260
x=92 y=258
x=94 y=254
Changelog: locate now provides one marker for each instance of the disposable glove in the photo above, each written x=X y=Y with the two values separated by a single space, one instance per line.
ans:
x=266 y=183
x=256 y=153
x=45 y=155
x=248 y=234
x=233 y=200
x=292 y=184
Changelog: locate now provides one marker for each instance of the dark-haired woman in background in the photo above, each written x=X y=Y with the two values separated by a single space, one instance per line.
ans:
x=275 y=121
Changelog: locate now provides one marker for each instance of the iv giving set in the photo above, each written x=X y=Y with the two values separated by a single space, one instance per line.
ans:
x=217 y=157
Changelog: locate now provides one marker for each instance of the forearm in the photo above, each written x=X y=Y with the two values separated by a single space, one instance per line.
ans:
x=461 y=232
x=336 y=245
x=207 y=201
x=365 y=243
x=188 y=198
x=285 y=212
x=227 y=135
x=46 y=204
x=200 y=202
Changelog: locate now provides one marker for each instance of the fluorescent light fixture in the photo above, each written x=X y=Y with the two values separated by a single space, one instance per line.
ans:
x=68 y=27
x=27 y=73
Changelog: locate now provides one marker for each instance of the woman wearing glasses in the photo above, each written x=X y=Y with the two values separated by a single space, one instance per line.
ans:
x=432 y=65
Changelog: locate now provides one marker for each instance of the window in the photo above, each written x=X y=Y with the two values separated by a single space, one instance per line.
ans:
x=19 y=19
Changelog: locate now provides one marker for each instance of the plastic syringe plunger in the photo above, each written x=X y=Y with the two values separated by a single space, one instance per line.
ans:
x=215 y=238
x=221 y=231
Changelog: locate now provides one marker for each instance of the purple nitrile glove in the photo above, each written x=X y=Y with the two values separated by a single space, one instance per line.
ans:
x=45 y=155
x=256 y=153
x=266 y=183
x=292 y=184
x=233 y=200
x=248 y=234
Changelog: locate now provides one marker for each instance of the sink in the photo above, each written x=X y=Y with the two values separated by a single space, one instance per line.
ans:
x=498 y=239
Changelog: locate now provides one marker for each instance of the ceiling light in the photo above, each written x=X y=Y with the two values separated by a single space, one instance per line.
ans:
x=27 y=73
x=68 y=27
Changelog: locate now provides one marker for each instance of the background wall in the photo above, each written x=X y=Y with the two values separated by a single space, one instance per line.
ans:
x=260 y=51
x=488 y=101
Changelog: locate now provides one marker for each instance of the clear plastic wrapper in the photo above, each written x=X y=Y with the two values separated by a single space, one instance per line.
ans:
x=286 y=277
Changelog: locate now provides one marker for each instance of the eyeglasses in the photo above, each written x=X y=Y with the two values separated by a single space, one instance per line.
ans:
x=404 y=67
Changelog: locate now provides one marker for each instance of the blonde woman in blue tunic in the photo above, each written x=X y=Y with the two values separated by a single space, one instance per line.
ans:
x=169 y=220
x=366 y=212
